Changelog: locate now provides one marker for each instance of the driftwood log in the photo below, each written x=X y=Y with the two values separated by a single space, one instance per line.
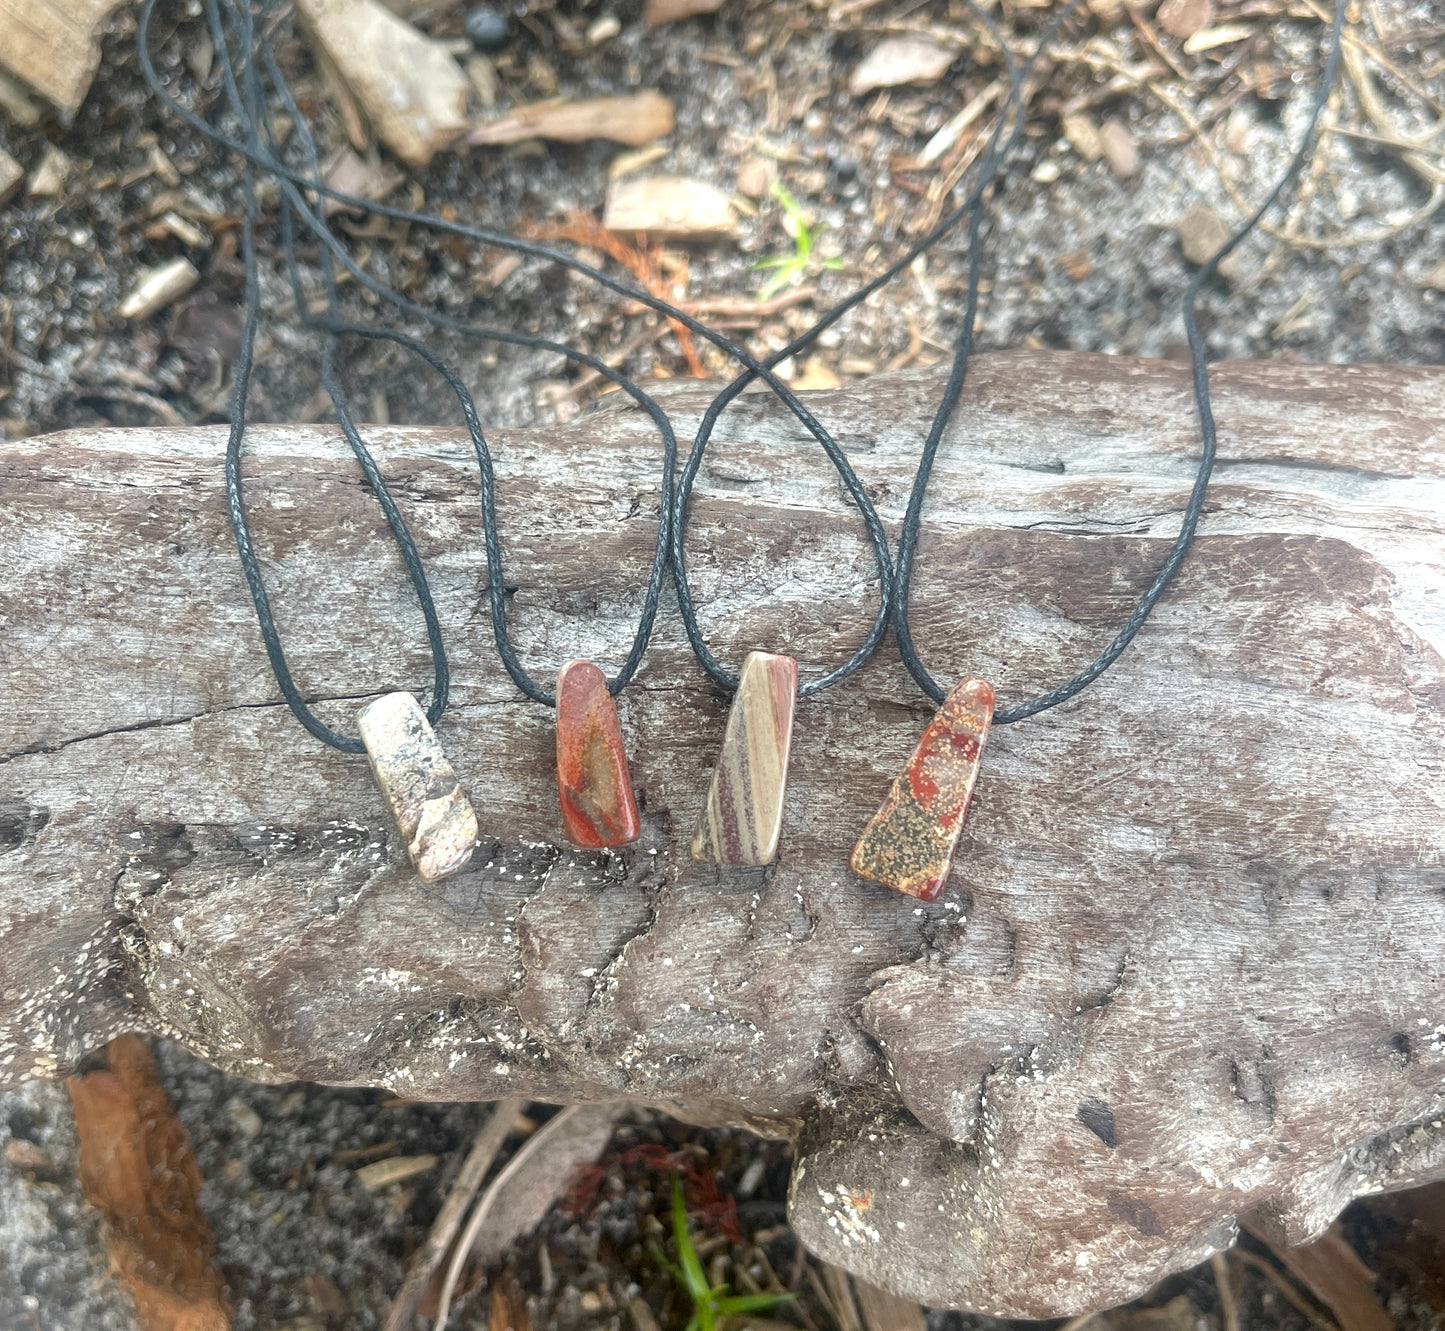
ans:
x=1189 y=966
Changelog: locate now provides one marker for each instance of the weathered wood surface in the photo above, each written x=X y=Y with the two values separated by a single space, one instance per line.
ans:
x=1188 y=967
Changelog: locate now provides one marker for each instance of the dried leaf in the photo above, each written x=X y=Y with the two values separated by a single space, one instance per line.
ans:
x=528 y=1186
x=898 y=60
x=633 y=120
x=412 y=91
x=137 y=1170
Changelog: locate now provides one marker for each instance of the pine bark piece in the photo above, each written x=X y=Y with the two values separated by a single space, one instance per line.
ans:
x=411 y=90
x=137 y=1170
x=743 y=817
x=909 y=842
x=595 y=788
x=432 y=814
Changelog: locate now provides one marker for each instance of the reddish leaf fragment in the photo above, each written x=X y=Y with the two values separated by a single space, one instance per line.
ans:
x=137 y=1170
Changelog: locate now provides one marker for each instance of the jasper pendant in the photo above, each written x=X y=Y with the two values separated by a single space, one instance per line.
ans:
x=909 y=842
x=743 y=816
x=593 y=783
x=432 y=814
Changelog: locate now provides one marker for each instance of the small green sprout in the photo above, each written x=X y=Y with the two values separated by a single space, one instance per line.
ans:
x=789 y=268
x=709 y=1302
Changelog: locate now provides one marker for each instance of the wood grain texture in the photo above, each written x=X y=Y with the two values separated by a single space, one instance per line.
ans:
x=1189 y=963
x=742 y=819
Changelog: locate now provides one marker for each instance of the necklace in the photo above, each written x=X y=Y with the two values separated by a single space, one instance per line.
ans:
x=910 y=842
x=419 y=784
x=741 y=821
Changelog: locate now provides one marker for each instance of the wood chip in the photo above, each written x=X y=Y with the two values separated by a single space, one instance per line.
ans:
x=411 y=90
x=899 y=60
x=17 y=103
x=1083 y=136
x=54 y=46
x=635 y=120
x=671 y=207
x=755 y=177
x=395 y=1169
x=11 y=176
x=47 y=181
x=603 y=29
x=639 y=159
x=1332 y=1271
x=1225 y=35
x=1183 y=18
x=1119 y=148
x=1202 y=233
x=816 y=376
x=137 y=1170
x=159 y=287
x=953 y=128
x=366 y=178
x=669 y=11
x=882 y=1311
x=27 y=1156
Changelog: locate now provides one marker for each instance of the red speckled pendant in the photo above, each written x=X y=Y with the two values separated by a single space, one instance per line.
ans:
x=909 y=842
x=595 y=787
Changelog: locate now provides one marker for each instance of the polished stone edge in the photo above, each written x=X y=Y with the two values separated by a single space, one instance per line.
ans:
x=434 y=817
x=743 y=817
x=909 y=843
x=594 y=786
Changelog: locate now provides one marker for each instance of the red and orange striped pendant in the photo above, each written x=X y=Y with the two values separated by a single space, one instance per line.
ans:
x=909 y=842
x=599 y=808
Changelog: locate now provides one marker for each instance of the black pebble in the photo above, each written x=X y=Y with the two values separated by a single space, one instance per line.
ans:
x=488 y=28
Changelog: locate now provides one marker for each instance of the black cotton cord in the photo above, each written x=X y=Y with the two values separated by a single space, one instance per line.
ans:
x=1011 y=117
x=908 y=540
x=291 y=181
x=293 y=205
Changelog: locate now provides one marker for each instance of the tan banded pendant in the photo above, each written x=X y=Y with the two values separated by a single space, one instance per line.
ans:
x=434 y=817
x=743 y=817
